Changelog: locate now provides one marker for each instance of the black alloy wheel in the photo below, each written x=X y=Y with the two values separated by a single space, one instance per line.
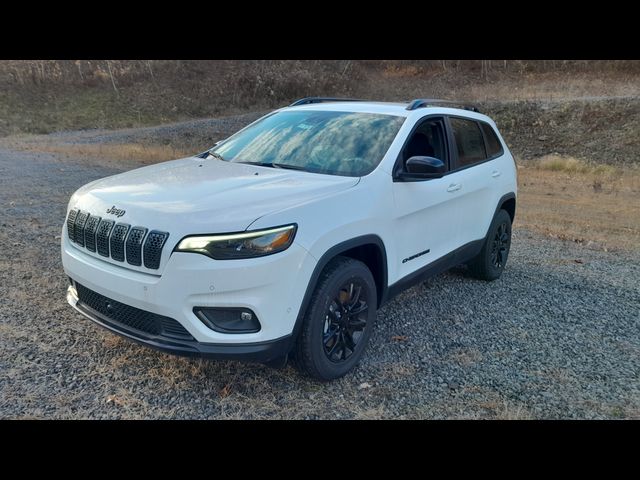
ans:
x=345 y=322
x=492 y=258
x=338 y=321
x=500 y=246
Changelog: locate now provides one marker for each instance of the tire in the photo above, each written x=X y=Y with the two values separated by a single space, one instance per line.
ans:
x=331 y=343
x=490 y=262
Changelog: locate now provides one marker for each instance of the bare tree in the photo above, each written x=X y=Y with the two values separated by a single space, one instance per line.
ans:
x=346 y=67
x=113 y=82
x=148 y=62
x=79 y=65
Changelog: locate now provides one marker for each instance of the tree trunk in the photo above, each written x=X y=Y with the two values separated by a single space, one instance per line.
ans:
x=113 y=82
x=79 y=64
x=150 y=71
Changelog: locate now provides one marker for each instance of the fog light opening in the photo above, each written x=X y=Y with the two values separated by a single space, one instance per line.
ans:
x=228 y=320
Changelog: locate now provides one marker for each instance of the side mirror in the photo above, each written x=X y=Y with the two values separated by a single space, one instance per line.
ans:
x=425 y=167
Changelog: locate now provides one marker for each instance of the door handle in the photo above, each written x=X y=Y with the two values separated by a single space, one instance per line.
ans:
x=454 y=187
x=495 y=174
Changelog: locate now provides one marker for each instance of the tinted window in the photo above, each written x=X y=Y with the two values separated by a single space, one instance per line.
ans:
x=494 y=147
x=427 y=140
x=335 y=143
x=469 y=141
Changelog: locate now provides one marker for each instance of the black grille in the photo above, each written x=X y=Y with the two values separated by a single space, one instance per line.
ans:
x=153 y=248
x=117 y=241
x=102 y=237
x=135 y=318
x=81 y=219
x=134 y=245
x=71 y=220
x=171 y=328
x=90 y=233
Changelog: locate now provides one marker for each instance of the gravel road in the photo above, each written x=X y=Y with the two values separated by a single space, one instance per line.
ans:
x=558 y=336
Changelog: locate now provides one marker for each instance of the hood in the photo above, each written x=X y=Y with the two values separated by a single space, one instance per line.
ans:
x=194 y=195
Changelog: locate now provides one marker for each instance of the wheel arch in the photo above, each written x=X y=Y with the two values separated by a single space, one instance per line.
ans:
x=369 y=249
x=508 y=203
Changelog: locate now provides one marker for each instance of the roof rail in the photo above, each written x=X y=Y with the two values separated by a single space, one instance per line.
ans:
x=434 y=102
x=310 y=100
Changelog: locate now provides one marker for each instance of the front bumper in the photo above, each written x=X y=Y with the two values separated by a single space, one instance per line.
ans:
x=251 y=352
x=273 y=287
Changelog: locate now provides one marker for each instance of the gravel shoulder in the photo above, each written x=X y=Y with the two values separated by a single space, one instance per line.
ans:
x=558 y=336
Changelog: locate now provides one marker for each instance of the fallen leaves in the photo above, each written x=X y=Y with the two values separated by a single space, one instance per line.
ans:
x=226 y=391
x=115 y=400
x=399 y=338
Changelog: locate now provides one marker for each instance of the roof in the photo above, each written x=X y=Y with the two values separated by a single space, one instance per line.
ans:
x=401 y=109
x=389 y=108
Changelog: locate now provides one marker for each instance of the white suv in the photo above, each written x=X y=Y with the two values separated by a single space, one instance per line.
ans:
x=289 y=235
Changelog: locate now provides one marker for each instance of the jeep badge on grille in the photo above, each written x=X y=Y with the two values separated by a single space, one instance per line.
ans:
x=116 y=211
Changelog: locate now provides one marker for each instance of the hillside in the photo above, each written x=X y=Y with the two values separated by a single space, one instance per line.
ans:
x=47 y=96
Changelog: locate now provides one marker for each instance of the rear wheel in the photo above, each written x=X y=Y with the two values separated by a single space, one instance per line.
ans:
x=339 y=320
x=490 y=262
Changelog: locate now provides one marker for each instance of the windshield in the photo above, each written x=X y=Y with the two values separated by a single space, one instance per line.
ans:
x=335 y=143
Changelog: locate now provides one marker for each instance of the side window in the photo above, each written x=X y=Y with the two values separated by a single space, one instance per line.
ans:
x=427 y=140
x=469 y=141
x=494 y=147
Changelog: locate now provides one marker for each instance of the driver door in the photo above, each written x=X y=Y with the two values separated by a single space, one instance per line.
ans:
x=426 y=211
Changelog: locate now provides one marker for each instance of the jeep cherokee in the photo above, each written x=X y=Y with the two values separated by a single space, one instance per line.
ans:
x=286 y=237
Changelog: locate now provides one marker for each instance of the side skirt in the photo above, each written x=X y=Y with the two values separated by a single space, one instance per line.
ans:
x=460 y=255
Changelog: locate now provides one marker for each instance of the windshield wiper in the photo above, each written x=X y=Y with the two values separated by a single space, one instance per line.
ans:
x=290 y=167
x=276 y=165
x=217 y=155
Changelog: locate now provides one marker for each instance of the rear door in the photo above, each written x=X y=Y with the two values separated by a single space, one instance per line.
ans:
x=476 y=166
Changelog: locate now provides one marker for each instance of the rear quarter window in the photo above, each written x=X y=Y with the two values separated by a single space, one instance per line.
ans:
x=493 y=145
x=469 y=141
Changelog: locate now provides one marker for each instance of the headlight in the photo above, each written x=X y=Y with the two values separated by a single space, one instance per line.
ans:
x=240 y=245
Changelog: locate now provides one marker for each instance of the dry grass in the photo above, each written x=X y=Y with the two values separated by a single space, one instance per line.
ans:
x=630 y=413
x=466 y=356
x=124 y=398
x=491 y=404
x=484 y=404
x=42 y=96
x=371 y=413
x=567 y=164
x=557 y=375
x=509 y=411
x=112 y=341
x=398 y=370
x=570 y=199
x=547 y=86
x=407 y=81
x=115 y=152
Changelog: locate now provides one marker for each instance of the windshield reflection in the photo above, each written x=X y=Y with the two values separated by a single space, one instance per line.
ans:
x=336 y=143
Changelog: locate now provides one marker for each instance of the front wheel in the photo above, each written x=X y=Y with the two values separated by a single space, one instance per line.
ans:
x=490 y=262
x=339 y=320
